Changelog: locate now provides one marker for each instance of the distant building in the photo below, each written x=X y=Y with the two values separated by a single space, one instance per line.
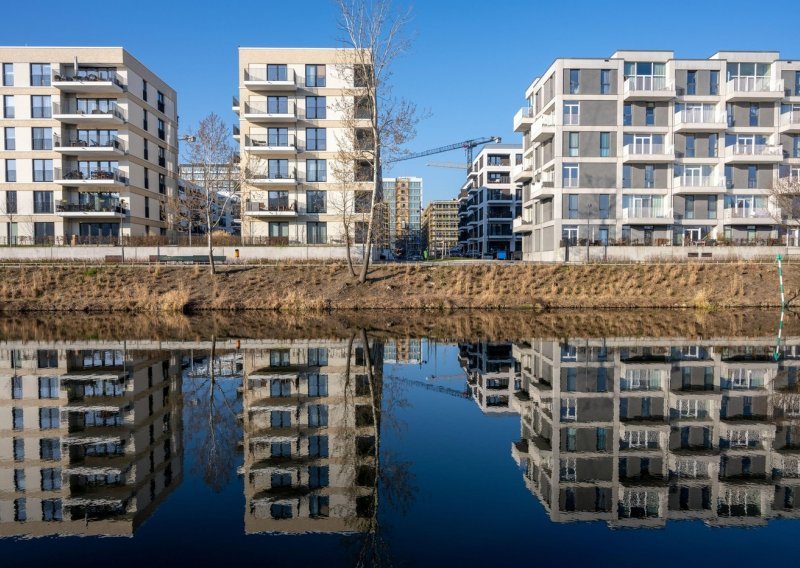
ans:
x=440 y=227
x=489 y=202
x=402 y=223
x=226 y=208
x=406 y=351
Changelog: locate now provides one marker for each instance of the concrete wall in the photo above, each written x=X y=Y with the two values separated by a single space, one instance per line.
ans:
x=669 y=253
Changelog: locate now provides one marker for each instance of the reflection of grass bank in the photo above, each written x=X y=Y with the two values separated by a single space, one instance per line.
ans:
x=299 y=288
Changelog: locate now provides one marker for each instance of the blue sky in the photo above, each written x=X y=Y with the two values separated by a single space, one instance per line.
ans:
x=469 y=64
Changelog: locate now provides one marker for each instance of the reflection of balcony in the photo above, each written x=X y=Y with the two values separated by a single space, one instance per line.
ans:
x=266 y=80
x=648 y=152
x=73 y=145
x=268 y=145
x=69 y=112
x=265 y=112
x=649 y=88
x=699 y=184
x=754 y=153
x=89 y=81
x=89 y=177
x=754 y=88
x=272 y=209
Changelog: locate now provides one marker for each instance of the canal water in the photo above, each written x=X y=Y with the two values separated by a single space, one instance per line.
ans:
x=343 y=445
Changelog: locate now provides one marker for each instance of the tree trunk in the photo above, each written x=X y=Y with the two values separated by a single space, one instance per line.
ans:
x=208 y=234
x=377 y=186
x=348 y=243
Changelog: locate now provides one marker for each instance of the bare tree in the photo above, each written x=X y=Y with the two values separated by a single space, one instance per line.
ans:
x=8 y=209
x=785 y=210
x=373 y=32
x=186 y=210
x=212 y=158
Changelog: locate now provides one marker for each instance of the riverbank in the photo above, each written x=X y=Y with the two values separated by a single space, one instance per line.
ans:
x=305 y=288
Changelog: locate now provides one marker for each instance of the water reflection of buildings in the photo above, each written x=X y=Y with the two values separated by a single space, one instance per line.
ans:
x=90 y=438
x=406 y=350
x=492 y=374
x=636 y=432
x=310 y=436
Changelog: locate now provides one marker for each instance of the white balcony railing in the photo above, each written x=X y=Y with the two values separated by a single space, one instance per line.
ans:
x=646 y=149
x=775 y=150
x=524 y=112
x=645 y=212
x=700 y=116
x=647 y=83
x=790 y=119
x=754 y=85
x=751 y=213
x=699 y=181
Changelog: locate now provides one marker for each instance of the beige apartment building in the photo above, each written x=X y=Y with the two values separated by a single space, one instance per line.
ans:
x=640 y=432
x=90 y=146
x=310 y=436
x=642 y=149
x=90 y=437
x=440 y=227
x=296 y=109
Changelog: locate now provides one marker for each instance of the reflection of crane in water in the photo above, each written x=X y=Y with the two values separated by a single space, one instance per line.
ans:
x=435 y=388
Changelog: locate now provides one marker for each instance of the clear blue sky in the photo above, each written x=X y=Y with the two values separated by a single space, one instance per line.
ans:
x=469 y=64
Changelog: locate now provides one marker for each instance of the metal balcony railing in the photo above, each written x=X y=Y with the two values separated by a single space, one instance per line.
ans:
x=90 y=76
x=285 y=206
x=74 y=173
x=279 y=75
x=646 y=149
x=101 y=206
x=287 y=109
x=287 y=141
x=71 y=107
x=74 y=141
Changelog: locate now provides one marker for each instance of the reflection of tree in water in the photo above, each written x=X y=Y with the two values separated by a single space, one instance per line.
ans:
x=210 y=392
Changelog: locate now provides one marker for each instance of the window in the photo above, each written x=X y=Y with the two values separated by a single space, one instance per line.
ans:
x=603 y=210
x=315 y=107
x=17 y=418
x=51 y=479
x=43 y=202
x=713 y=83
x=316 y=202
x=753 y=114
x=41 y=107
x=162 y=156
x=316 y=139
x=601 y=439
x=162 y=183
x=280 y=449
x=649 y=114
x=752 y=177
x=50 y=449
x=49 y=418
x=691 y=82
x=10 y=138
x=19 y=480
x=689 y=203
x=315 y=75
x=160 y=104
x=316 y=170
x=40 y=74
x=318 y=446
x=48 y=387
x=690 y=152
x=42 y=138
x=51 y=510
x=280 y=388
x=572 y=205
x=146 y=175
x=626 y=176
x=318 y=415
x=627 y=114
x=605 y=81
x=146 y=150
x=11 y=200
x=362 y=201
x=573 y=147
x=572 y=439
x=277 y=105
x=317 y=233
x=574 y=81
x=161 y=132
x=147 y=207
x=19 y=449
x=278 y=137
x=604 y=144
x=570 y=175
x=278 y=230
x=317 y=385
x=8 y=106
x=572 y=112
x=144 y=120
x=8 y=74
x=318 y=476
x=280 y=419
x=277 y=72
x=712 y=145
x=11 y=176
x=319 y=506
x=360 y=231
x=279 y=358
x=43 y=171
x=16 y=387
x=317 y=356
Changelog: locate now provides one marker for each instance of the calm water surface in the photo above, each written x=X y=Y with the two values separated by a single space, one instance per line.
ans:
x=359 y=448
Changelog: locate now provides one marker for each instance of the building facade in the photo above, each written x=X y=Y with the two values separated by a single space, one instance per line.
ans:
x=492 y=375
x=298 y=107
x=90 y=148
x=402 y=222
x=643 y=149
x=440 y=227
x=488 y=203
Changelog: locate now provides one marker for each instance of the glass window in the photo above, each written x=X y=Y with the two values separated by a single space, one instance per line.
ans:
x=19 y=449
x=277 y=72
x=8 y=74
x=713 y=83
x=712 y=145
x=690 y=153
x=316 y=139
x=572 y=205
x=51 y=479
x=43 y=170
x=160 y=101
x=278 y=169
x=574 y=81
x=50 y=449
x=16 y=387
x=41 y=107
x=11 y=174
x=573 y=144
x=161 y=132
x=650 y=114
x=316 y=170
x=52 y=510
x=626 y=176
x=649 y=176
x=712 y=206
x=691 y=82
x=278 y=137
x=605 y=81
x=277 y=105
x=362 y=201
x=753 y=114
x=318 y=415
x=316 y=201
x=604 y=144
x=317 y=385
x=317 y=233
x=752 y=177
x=40 y=74
x=42 y=201
x=48 y=387
x=570 y=175
x=318 y=476
x=315 y=75
x=42 y=138
x=317 y=356
x=49 y=418
x=627 y=115
x=10 y=138
x=318 y=446
x=278 y=230
x=8 y=106
x=315 y=107
x=689 y=206
x=603 y=205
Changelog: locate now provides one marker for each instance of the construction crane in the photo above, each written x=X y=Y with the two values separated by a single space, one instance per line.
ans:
x=435 y=388
x=467 y=145
x=451 y=165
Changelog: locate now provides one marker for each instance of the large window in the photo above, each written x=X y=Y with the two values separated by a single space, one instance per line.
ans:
x=572 y=111
x=40 y=74
x=278 y=137
x=49 y=418
x=42 y=138
x=574 y=81
x=318 y=415
x=570 y=175
x=11 y=202
x=51 y=479
x=315 y=107
x=317 y=233
x=605 y=81
x=278 y=169
x=316 y=139
x=42 y=202
x=43 y=170
x=316 y=170
x=48 y=387
x=277 y=72
x=10 y=137
x=8 y=74
x=43 y=232
x=41 y=107
x=8 y=106
x=317 y=385
x=315 y=75
x=11 y=172
x=316 y=202
x=278 y=230
x=277 y=105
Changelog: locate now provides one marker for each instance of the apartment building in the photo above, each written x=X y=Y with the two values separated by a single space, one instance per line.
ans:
x=402 y=351
x=298 y=108
x=488 y=203
x=90 y=147
x=492 y=375
x=643 y=149
x=640 y=432
x=226 y=203
x=440 y=227
x=310 y=436
x=402 y=222
x=90 y=437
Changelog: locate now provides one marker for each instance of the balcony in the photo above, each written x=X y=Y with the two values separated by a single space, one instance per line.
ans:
x=754 y=153
x=648 y=152
x=523 y=119
x=89 y=81
x=235 y=105
x=699 y=184
x=790 y=122
x=273 y=145
x=72 y=175
x=99 y=208
x=272 y=209
x=522 y=172
x=109 y=146
x=647 y=215
x=754 y=89
x=262 y=80
x=271 y=178
x=69 y=112
x=264 y=112
x=648 y=88
x=751 y=215
x=545 y=127
x=236 y=132
x=520 y=225
x=695 y=120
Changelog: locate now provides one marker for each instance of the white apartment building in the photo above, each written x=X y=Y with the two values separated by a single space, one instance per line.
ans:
x=492 y=375
x=295 y=108
x=89 y=151
x=644 y=149
x=488 y=203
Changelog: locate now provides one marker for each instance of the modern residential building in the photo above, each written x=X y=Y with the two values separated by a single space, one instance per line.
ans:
x=638 y=432
x=402 y=224
x=90 y=147
x=488 y=203
x=310 y=436
x=492 y=374
x=641 y=148
x=293 y=119
x=440 y=227
x=402 y=351
x=91 y=438
x=226 y=205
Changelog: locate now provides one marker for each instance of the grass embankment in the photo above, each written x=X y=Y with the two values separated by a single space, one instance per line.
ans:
x=315 y=288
